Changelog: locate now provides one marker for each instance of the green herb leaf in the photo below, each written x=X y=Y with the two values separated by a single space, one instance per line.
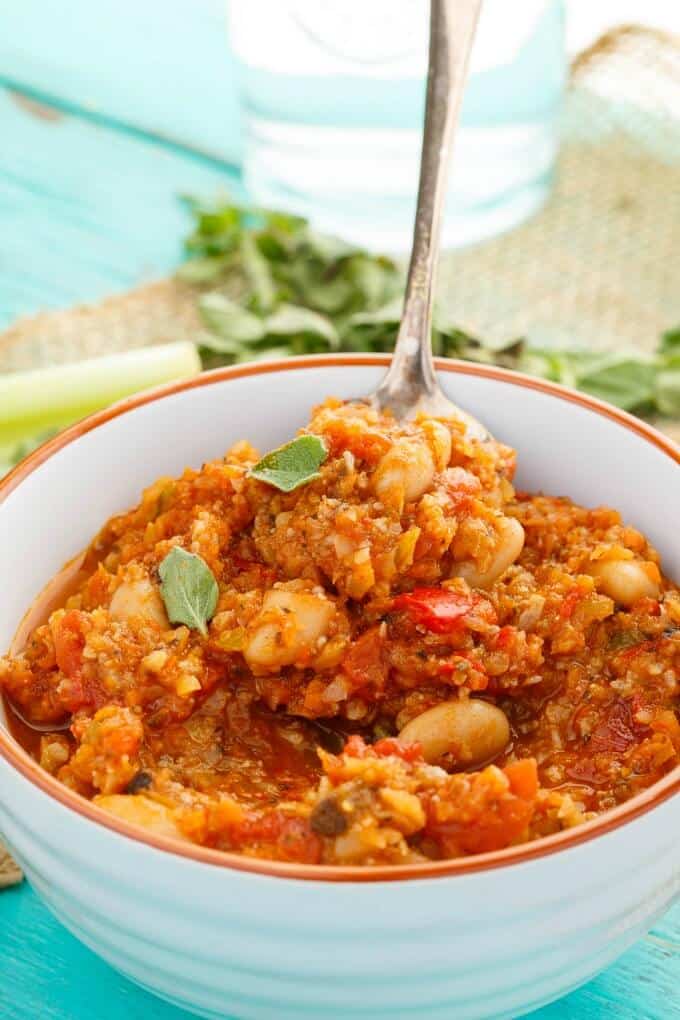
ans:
x=667 y=392
x=221 y=345
x=258 y=273
x=670 y=341
x=277 y=287
x=188 y=588
x=229 y=320
x=292 y=465
x=291 y=320
x=625 y=381
x=201 y=270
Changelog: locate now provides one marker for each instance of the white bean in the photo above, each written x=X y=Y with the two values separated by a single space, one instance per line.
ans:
x=469 y=731
x=288 y=628
x=627 y=581
x=404 y=473
x=510 y=545
x=439 y=438
x=139 y=598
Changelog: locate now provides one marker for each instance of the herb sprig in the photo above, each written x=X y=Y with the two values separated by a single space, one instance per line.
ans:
x=292 y=465
x=270 y=286
x=188 y=588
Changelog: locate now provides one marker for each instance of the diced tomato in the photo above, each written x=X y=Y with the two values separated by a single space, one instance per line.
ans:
x=69 y=641
x=241 y=563
x=569 y=603
x=364 y=664
x=297 y=842
x=366 y=444
x=442 y=610
x=617 y=732
x=285 y=837
x=506 y=637
x=391 y=746
x=78 y=692
x=96 y=589
x=586 y=771
x=500 y=823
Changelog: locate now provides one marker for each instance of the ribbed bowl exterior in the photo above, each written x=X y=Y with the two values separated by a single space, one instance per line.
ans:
x=226 y=943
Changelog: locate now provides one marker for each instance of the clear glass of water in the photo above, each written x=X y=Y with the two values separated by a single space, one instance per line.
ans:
x=333 y=97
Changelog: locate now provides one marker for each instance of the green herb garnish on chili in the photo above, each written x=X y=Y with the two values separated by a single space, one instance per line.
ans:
x=292 y=465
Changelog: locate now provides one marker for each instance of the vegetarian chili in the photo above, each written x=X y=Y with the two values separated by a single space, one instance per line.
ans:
x=364 y=648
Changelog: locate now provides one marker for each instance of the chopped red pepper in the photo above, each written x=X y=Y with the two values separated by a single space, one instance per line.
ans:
x=364 y=664
x=442 y=610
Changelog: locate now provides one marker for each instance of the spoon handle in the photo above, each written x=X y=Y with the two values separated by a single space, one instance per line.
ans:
x=452 y=29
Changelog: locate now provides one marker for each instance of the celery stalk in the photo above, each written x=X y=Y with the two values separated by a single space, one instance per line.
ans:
x=46 y=399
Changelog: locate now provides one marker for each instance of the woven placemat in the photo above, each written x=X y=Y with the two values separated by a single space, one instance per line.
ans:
x=597 y=267
x=10 y=872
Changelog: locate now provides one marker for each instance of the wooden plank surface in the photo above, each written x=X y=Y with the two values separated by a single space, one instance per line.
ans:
x=88 y=207
x=159 y=70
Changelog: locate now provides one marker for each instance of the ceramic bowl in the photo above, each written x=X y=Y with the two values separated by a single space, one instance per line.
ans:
x=489 y=936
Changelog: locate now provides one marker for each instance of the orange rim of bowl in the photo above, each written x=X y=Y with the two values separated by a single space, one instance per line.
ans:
x=19 y=759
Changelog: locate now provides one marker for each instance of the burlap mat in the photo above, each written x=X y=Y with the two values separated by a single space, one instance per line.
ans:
x=10 y=872
x=597 y=267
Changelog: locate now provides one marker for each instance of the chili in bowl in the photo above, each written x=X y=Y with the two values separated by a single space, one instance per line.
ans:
x=371 y=653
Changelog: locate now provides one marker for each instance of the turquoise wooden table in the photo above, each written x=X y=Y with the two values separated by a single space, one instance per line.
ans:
x=88 y=205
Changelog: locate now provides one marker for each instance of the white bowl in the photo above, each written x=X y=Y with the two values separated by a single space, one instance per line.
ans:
x=489 y=936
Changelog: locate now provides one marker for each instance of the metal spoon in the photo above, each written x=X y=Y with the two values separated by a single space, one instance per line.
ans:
x=411 y=385
x=52 y=727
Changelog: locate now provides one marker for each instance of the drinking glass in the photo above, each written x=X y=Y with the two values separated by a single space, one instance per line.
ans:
x=333 y=93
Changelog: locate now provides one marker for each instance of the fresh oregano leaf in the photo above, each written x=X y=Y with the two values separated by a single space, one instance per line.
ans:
x=288 y=320
x=668 y=392
x=188 y=588
x=229 y=320
x=269 y=285
x=259 y=274
x=670 y=341
x=292 y=465
x=627 y=381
